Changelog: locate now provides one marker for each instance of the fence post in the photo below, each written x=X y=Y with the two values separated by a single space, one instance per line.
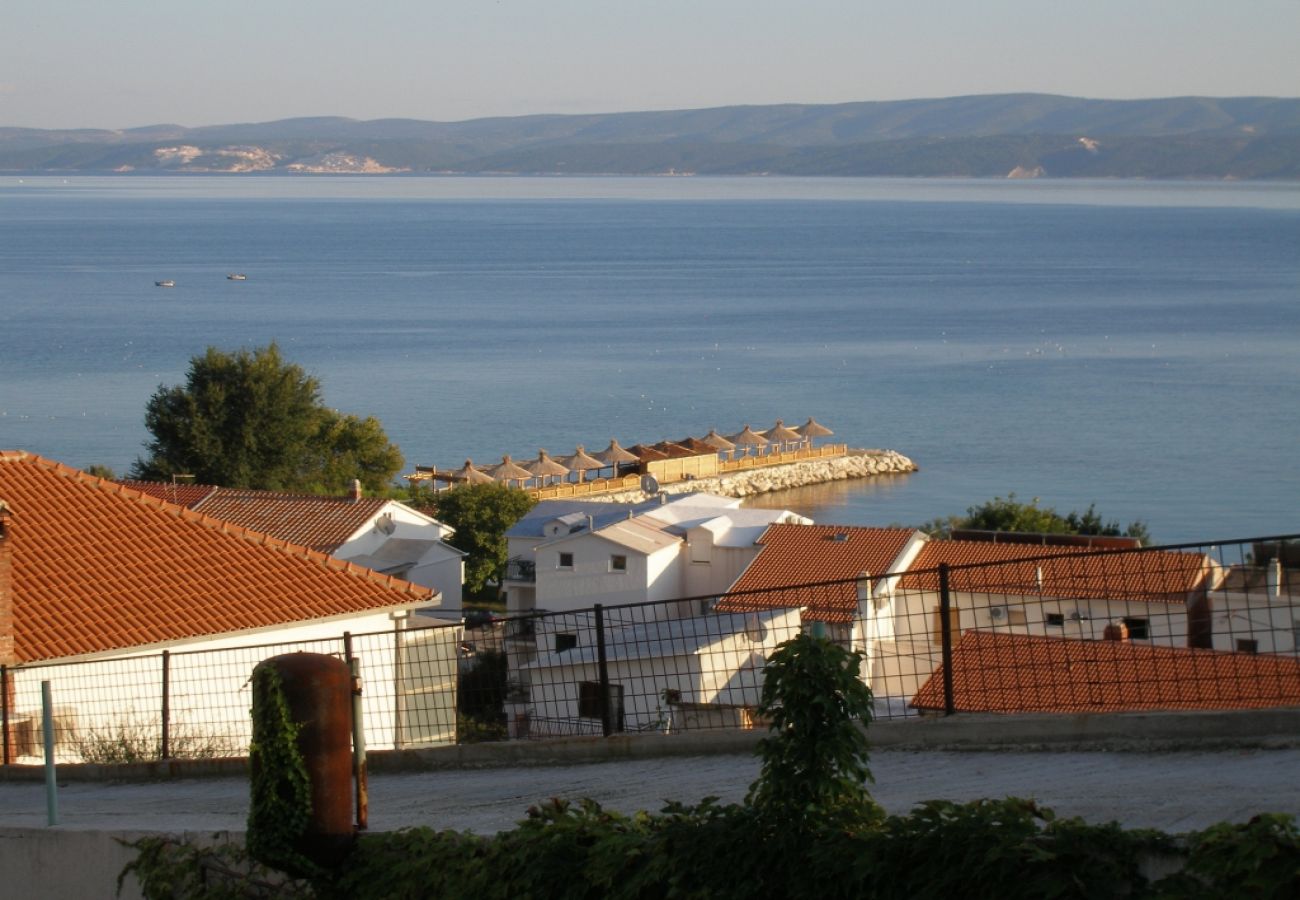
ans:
x=945 y=618
x=165 y=749
x=606 y=725
x=4 y=712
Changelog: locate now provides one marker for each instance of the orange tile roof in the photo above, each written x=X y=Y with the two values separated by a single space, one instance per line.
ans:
x=1151 y=575
x=1018 y=673
x=100 y=567
x=321 y=523
x=807 y=555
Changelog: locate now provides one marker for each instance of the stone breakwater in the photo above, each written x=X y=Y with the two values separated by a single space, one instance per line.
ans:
x=748 y=482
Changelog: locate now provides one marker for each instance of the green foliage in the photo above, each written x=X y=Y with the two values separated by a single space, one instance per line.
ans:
x=167 y=869
x=481 y=515
x=280 y=789
x=815 y=760
x=1009 y=514
x=1258 y=859
x=100 y=471
x=131 y=739
x=252 y=420
x=480 y=699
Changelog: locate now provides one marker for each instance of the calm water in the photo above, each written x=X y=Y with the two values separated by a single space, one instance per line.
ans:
x=1136 y=345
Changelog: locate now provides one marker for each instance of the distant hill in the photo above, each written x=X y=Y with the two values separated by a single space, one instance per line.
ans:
x=1025 y=135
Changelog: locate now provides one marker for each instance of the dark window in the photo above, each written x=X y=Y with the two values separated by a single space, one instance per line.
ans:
x=589 y=702
x=1056 y=619
x=618 y=563
x=566 y=560
x=564 y=641
x=1138 y=629
x=1245 y=646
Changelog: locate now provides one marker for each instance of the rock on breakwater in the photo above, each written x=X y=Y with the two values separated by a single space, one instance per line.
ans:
x=746 y=483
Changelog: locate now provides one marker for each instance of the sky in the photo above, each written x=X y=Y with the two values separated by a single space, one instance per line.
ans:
x=128 y=63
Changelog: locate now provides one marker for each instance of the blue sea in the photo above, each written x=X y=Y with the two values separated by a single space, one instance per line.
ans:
x=1132 y=344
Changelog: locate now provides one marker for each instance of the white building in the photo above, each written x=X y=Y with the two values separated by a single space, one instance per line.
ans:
x=111 y=594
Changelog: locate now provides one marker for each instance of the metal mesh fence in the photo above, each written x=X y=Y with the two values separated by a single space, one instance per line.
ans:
x=1023 y=629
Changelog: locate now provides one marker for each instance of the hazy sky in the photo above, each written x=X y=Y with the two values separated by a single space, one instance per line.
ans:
x=123 y=63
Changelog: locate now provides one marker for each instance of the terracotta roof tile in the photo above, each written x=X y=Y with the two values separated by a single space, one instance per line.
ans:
x=1017 y=673
x=322 y=523
x=1160 y=576
x=808 y=555
x=98 y=566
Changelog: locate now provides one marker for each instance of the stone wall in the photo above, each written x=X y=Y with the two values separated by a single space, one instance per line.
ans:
x=856 y=464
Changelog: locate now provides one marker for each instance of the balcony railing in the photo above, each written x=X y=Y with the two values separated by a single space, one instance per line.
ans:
x=521 y=570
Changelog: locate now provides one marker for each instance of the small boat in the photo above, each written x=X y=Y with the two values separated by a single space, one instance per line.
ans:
x=167 y=283
x=236 y=276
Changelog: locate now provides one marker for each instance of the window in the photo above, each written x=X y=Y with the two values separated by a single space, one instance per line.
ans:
x=1056 y=620
x=1245 y=646
x=565 y=641
x=589 y=702
x=566 y=561
x=1138 y=629
x=618 y=563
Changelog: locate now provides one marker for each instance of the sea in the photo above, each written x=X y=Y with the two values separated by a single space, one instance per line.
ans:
x=1129 y=344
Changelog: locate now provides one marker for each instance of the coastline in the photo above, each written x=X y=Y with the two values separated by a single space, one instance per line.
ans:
x=857 y=463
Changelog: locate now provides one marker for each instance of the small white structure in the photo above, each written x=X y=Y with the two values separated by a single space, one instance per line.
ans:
x=663 y=675
x=1257 y=610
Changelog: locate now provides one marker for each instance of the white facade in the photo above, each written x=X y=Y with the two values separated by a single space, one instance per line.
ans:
x=1256 y=611
x=110 y=705
x=407 y=544
x=664 y=675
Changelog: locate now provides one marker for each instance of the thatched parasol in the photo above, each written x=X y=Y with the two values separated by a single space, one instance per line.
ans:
x=697 y=446
x=748 y=438
x=467 y=474
x=613 y=455
x=507 y=471
x=673 y=451
x=582 y=463
x=813 y=429
x=717 y=441
x=646 y=454
x=779 y=434
x=544 y=467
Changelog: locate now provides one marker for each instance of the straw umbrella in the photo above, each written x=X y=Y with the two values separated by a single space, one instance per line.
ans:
x=673 y=451
x=645 y=453
x=718 y=442
x=544 y=467
x=697 y=446
x=467 y=474
x=812 y=428
x=748 y=438
x=582 y=463
x=613 y=455
x=508 y=471
x=779 y=434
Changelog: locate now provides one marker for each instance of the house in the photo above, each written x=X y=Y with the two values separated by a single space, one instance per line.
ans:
x=568 y=555
x=663 y=674
x=168 y=609
x=1256 y=608
x=1001 y=672
x=1021 y=588
x=380 y=534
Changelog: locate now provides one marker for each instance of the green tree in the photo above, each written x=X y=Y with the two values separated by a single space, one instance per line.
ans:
x=1008 y=514
x=250 y=419
x=481 y=515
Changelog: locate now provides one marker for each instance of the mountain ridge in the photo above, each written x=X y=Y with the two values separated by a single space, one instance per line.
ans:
x=986 y=135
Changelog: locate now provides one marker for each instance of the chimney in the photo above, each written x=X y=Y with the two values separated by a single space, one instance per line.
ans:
x=1115 y=631
x=1274 y=576
x=355 y=494
x=7 y=657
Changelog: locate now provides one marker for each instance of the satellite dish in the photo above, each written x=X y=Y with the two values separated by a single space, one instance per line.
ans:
x=385 y=524
x=649 y=484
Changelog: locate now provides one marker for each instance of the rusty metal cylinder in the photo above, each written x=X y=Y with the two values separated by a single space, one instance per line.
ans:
x=318 y=691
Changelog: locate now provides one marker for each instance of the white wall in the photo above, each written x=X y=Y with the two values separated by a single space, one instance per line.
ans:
x=116 y=702
x=1273 y=623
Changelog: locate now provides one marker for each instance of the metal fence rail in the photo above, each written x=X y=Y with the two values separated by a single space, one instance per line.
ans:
x=1043 y=629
